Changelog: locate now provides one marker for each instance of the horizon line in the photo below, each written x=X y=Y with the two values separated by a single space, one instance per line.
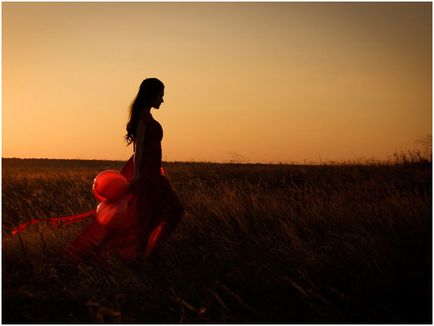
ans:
x=395 y=158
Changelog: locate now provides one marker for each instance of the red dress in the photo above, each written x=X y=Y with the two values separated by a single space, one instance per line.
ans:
x=153 y=209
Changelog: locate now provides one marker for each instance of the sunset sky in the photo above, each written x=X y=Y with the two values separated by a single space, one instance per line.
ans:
x=252 y=82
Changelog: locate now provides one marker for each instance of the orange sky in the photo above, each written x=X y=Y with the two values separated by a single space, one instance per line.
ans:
x=259 y=82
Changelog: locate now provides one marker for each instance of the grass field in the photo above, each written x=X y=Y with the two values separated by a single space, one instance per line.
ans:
x=346 y=243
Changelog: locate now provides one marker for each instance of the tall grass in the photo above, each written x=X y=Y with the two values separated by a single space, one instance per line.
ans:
x=342 y=243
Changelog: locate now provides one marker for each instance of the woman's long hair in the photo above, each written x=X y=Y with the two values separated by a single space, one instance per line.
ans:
x=149 y=89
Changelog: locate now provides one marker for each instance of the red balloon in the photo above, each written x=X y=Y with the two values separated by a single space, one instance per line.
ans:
x=110 y=213
x=109 y=184
x=96 y=195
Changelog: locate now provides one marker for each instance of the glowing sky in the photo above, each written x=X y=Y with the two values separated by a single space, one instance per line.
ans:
x=259 y=82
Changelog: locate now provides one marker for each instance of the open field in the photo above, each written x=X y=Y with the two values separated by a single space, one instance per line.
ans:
x=259 y=244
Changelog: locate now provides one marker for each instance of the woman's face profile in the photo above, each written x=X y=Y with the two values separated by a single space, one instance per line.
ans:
x=158 y=100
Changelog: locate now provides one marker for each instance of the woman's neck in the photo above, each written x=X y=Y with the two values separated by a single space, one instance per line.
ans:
x=145 y=111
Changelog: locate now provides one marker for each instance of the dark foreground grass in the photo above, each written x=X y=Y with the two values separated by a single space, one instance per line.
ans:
x=259 y=244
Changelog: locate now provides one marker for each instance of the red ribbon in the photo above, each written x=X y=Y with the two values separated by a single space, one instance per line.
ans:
x=54 y=220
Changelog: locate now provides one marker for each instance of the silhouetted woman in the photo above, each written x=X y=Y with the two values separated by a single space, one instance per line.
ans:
x=157 y=205
x=154 y=208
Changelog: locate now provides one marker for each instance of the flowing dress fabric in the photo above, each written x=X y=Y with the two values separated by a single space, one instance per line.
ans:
x=153 y=209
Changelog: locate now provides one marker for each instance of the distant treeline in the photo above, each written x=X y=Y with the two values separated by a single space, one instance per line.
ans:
x=54 y=163
x=77 y=163
x=398 y=158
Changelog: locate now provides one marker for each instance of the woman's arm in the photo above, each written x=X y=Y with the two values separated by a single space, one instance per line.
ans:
x=138 y=152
